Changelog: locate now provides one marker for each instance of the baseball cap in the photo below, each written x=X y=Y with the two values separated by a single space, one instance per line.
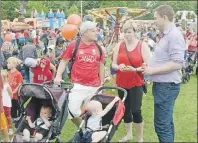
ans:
x=87 y=25
x=44 y=61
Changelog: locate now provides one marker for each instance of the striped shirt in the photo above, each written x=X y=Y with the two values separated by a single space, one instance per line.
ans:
x=6 y=47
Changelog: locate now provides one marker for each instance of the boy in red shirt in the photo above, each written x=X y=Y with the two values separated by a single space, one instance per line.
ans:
x=41 y=69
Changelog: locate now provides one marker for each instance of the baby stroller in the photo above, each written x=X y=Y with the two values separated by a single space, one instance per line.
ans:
x=112 y=118
x=190 y=61
x=32 y=97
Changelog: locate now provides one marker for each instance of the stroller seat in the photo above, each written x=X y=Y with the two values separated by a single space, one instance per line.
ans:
x=33 y=110
x=112 y=118
x=32 y=97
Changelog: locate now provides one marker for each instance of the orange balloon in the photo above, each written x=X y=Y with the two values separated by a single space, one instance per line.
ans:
x=69 y=31
x=74 y=19
x=8 y=37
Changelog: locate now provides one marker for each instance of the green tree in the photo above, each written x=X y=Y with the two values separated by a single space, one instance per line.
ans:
x=106 y=4
x=8 y=9
x=73 y=10
x=88 y=5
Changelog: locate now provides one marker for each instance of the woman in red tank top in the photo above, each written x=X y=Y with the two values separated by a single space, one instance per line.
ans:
x=129 y=77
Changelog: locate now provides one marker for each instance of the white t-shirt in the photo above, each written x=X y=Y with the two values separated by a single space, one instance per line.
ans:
x=13 y=36
x=6 y=97
x=33 y=33
x=94 y=123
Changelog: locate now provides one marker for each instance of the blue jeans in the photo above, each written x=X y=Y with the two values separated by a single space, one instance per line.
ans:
x=28 y=75
x=165 y=95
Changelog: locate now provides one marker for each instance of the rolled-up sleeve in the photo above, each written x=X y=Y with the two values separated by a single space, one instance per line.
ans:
x=177 y=49
x=67 y=54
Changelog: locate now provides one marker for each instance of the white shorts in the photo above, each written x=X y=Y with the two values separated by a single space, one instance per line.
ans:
x=79 y=94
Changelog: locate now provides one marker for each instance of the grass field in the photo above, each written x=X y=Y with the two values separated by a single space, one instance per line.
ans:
x=185 y=117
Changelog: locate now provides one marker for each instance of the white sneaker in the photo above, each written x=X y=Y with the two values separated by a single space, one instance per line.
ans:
x=10 y=132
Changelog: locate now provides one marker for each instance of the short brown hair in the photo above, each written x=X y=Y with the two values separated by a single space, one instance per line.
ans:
x=165 y=10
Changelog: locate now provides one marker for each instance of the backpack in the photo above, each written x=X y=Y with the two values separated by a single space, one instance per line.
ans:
x=71 y=61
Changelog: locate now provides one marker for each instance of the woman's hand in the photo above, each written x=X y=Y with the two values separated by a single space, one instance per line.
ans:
x=121 y=67
x=130 y=68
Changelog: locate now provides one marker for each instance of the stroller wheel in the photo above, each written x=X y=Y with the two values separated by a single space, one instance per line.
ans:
x=188 y=77
x=183 y=80
x=57 y=140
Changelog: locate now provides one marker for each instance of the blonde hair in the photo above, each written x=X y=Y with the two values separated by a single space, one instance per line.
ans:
x=128 y=25
x=4 y=75
x=14 y=60
x=93 y=106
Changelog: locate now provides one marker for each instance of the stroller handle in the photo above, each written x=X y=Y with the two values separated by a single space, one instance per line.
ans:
x=113 y=87
x=71 y=85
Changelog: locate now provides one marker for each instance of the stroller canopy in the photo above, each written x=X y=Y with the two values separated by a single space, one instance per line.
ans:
x=43 y=92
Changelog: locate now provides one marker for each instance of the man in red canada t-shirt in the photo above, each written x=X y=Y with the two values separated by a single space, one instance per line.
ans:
x=87 y=72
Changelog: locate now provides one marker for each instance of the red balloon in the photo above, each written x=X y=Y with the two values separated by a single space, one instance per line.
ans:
x=69 y=31
x=74 y=19
x=8 y=37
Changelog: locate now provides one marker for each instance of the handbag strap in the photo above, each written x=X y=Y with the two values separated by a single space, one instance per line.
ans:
x=130 y=60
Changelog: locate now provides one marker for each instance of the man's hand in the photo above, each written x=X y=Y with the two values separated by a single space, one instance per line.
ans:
x=58 y=80
x=102 y=83
x=148 y=70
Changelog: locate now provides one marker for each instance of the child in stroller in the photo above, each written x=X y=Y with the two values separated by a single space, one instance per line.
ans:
x=93 y=130
x=32 y=99
x=40 y=127
x=111 y=112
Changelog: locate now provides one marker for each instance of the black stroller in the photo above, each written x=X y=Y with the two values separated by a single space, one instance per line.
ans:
x=32 y=97
x=190 y=61
x=113 y=118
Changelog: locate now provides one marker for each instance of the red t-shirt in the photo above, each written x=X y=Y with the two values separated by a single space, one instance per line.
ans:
x=188 y=33
x=193 y=45
x=40 y=75
x=17 y=35
x=85 y=69
x=25 y=34
x=129 y=80
x=15 y=79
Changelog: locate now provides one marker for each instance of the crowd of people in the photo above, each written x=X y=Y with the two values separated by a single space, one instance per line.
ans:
x=155 y=54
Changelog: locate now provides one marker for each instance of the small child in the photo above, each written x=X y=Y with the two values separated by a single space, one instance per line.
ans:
x=94 y=123
x=41 y=69
x=7 y=97
x=3 y=125
x=40 y=127
x=15 y=79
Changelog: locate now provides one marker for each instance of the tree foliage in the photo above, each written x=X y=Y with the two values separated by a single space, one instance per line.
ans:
x=8 y=7
x=73 y=10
